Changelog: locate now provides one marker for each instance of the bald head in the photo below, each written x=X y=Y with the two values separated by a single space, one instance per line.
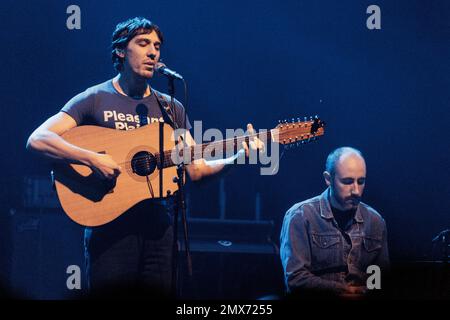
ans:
x=342 y=153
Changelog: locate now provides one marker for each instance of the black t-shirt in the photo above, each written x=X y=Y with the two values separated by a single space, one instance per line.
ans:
x=343 y=218
x=104 y=106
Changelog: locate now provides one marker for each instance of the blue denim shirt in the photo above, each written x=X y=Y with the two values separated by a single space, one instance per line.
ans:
x=315 y=254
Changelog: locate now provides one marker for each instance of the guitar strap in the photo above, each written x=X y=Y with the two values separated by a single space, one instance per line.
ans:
x=164 y=105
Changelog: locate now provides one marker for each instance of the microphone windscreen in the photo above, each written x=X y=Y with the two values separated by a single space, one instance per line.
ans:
x=160 y=65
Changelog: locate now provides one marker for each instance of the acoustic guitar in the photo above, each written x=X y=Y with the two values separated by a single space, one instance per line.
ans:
x=148 y=156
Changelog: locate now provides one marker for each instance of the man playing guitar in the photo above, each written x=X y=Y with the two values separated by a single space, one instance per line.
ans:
x=133 y=253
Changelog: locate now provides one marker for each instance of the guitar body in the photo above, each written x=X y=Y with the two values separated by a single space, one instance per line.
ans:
x=91 y=201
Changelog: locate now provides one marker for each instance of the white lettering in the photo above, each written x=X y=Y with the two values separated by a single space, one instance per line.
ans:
x=107 y=115
x=374 y=280
x=373 y=21
x=74 y=20
x=74 y=280
x=193 y=310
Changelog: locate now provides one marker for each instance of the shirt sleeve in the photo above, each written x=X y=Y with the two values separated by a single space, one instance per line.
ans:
x=80 y=107
x=383 y=258
x=180 y=113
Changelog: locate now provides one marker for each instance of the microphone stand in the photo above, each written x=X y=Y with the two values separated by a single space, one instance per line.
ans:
x=180 y=204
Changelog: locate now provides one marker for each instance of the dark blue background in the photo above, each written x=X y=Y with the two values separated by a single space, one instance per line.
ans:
x=385 y=92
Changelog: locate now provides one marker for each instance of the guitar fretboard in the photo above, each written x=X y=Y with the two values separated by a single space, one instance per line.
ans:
x=224 y=148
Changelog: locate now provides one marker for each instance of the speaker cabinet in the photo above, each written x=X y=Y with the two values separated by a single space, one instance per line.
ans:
x=232 y=275
x=41 y=244
x=231 y=259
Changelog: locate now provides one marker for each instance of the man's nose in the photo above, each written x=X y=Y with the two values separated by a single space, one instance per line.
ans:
x=151 y=52
x=356 y=189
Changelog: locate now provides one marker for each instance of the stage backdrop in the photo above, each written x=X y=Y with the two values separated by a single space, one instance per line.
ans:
x=385 y=92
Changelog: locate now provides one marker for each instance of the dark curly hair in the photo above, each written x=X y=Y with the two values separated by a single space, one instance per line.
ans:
x=127 y=30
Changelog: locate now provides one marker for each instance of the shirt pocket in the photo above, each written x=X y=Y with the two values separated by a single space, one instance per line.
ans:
x=326 y=251
x=372 y=244
x=325 y=241
x=368 y=253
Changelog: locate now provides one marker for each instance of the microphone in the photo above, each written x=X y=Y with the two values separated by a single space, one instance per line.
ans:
x=161 y=68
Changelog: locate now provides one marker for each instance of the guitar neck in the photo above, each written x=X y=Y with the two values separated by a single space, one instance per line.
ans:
x=285 y=133
x=212 y=149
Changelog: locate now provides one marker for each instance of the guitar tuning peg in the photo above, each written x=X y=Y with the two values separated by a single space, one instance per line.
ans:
x=293 y=120
x=298 y=119
x=304 y=119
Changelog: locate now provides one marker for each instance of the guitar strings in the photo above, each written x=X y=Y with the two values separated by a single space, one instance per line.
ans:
x=204 y=145
x=141 y=160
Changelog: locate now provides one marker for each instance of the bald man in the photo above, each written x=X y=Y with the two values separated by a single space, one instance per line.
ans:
x=328 y=242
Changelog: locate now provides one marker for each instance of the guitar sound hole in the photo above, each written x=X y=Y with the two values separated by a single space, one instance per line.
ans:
x=143 y=163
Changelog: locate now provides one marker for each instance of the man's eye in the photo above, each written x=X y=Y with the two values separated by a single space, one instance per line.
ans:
x=361 y=181
x=347 y=181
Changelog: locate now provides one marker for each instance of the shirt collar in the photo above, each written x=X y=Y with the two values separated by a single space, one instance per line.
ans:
x=325 y=207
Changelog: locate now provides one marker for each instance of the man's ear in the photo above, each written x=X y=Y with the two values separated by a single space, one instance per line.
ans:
x=327 y=177
x=120 y=53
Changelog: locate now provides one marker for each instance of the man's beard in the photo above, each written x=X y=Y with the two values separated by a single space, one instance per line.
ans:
x=352 y=201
